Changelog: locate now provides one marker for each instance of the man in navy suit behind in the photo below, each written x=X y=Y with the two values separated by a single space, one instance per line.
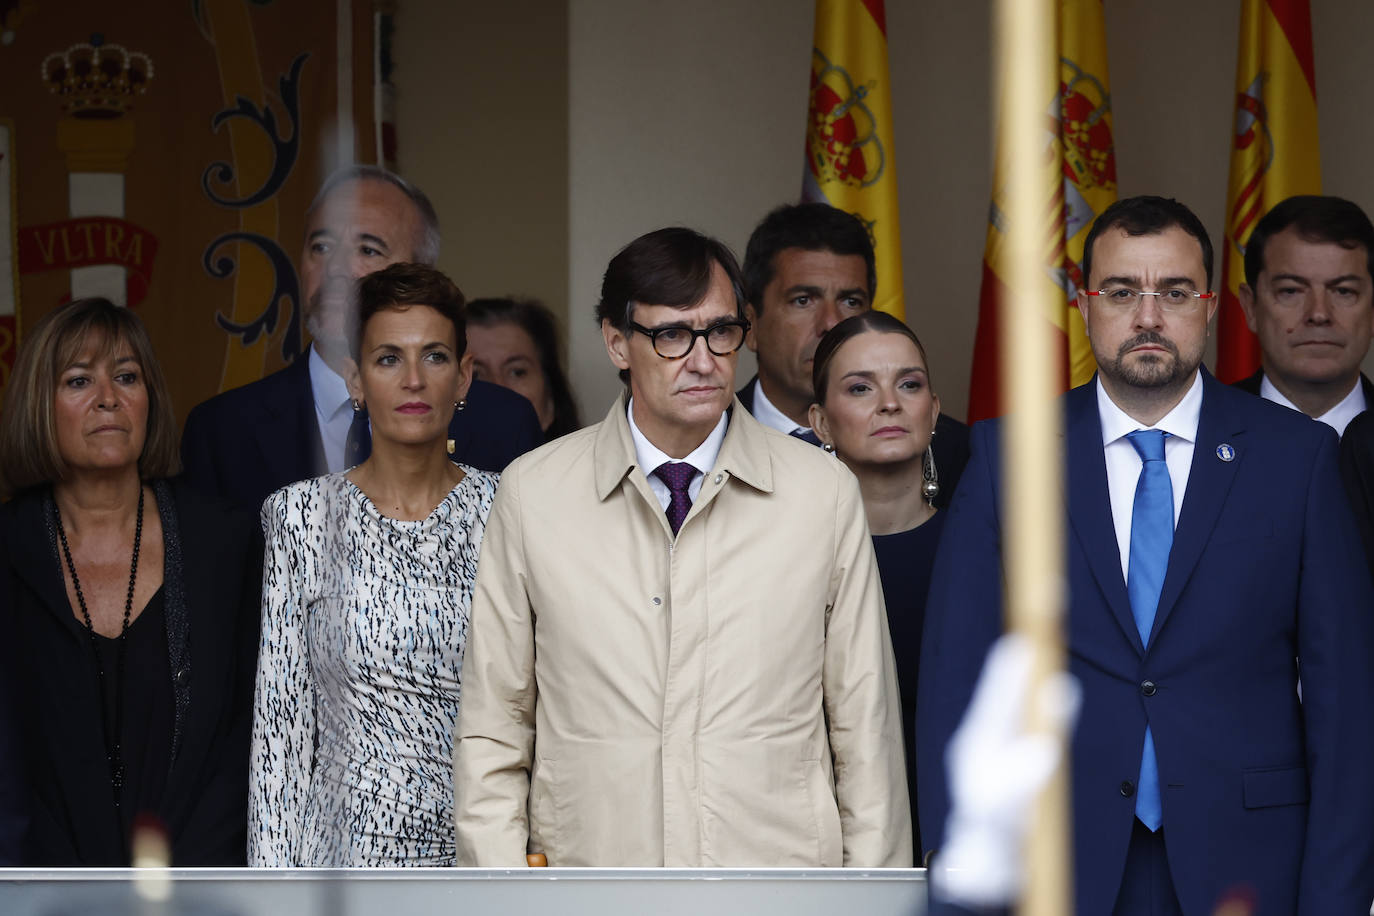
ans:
x=295 y=423
x=808 y=267
x=1308 y=296
x=1212 y=560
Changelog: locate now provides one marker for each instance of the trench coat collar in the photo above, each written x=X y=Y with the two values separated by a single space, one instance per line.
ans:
x=744 y=453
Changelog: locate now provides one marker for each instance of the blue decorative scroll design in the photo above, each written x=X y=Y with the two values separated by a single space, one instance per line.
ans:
x=284 y=149
x=285 y=286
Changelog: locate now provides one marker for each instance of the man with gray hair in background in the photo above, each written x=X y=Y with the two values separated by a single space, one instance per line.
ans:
x=299 y=422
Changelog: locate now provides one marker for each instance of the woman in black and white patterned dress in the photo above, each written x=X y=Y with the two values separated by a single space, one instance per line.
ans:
x=366 y=590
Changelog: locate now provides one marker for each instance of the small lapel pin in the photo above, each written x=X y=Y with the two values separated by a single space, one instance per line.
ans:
x=1225 y=452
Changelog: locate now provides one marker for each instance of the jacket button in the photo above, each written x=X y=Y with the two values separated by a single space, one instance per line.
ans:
x=182 y=676
x=719 y=478
x=657 y=600
x=1127 y=788
x=1148 y=688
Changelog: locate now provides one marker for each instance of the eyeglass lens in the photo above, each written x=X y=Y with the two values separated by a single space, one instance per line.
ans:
x=676 y=342
x=1173 y=299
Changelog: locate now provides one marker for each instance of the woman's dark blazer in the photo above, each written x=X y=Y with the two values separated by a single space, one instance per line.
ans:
x=212 y=593
x=14 y=805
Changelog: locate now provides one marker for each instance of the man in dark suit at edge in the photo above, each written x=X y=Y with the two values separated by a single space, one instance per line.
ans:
x=1309 y=297
x=807 y=267
x=1211 y=557
x=295 y=423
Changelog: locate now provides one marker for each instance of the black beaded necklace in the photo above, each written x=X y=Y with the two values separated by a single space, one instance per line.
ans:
x=113 y=753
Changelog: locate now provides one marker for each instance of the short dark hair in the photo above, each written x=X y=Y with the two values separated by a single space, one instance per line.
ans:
x=427 y=247
x=29 y=454
x=531 y=316
x=1148 y=215
x=811 y=227
x=402 y=285
x=853 y=326
x=1315 y=218
x=670 y=266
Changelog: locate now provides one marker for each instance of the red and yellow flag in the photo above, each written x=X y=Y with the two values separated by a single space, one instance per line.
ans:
x=1274 y=151
x=1078 y=182
x=849 y=159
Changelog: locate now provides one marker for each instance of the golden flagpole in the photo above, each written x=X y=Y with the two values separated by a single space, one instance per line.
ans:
x=1033 y=451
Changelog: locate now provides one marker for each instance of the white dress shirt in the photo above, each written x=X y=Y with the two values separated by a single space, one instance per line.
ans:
x=650 y=457
x=333 y=409
x=767 y=413
x=1338 y=417
x=1124 y=464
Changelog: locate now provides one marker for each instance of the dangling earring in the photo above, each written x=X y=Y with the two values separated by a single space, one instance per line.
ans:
x=357 y=405
x=460 y=405
x=930 y=488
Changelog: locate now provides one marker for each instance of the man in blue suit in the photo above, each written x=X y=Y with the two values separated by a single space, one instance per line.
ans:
x=1212 y=560
x=297 y=422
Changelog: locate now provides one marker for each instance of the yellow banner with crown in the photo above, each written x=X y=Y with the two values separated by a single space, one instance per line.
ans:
x=166 y=164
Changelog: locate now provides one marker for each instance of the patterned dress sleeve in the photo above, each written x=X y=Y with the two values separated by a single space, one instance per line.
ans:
x=283 y=701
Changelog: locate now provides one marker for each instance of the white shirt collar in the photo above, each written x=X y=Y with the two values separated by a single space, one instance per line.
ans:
x=768 y=414
x=329 y=388
x=650 y=456
x=1338 y=417
x=1182 y=421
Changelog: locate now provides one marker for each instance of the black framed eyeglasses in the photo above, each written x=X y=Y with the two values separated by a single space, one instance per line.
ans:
x=675 y=341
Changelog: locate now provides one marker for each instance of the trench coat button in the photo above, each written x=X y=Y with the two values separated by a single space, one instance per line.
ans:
x=1148 y=688
x=182 y=676
x=1127 y=788
x=657 y=600
x=719 y=478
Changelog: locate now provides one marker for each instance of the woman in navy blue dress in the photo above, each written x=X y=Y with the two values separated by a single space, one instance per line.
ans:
x=876 y=410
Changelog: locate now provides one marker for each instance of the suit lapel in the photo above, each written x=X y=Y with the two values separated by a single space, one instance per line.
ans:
x=1209 y=483
x=289 y=443
x=1090 y=505
x=210 y=620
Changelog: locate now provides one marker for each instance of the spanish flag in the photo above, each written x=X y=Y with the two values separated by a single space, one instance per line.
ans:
x=1275 y=151
x=1078 y=181
x=849 y=159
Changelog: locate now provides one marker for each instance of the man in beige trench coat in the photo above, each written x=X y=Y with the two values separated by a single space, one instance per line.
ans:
x=678 y=652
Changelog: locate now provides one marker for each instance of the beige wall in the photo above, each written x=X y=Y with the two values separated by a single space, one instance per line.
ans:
x=482 y=122
x=693 y=113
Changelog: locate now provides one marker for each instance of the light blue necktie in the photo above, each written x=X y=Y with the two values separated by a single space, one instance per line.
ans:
x=1152 y=536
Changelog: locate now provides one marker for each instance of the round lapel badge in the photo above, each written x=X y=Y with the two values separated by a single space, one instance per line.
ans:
x=1225 y=452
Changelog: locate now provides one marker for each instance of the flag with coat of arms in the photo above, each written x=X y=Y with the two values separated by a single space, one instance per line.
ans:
x=1077 y=182
x=849 y=158
x=1275 y=152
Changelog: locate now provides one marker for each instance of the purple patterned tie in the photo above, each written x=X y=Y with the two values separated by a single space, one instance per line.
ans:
x=678 y=476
